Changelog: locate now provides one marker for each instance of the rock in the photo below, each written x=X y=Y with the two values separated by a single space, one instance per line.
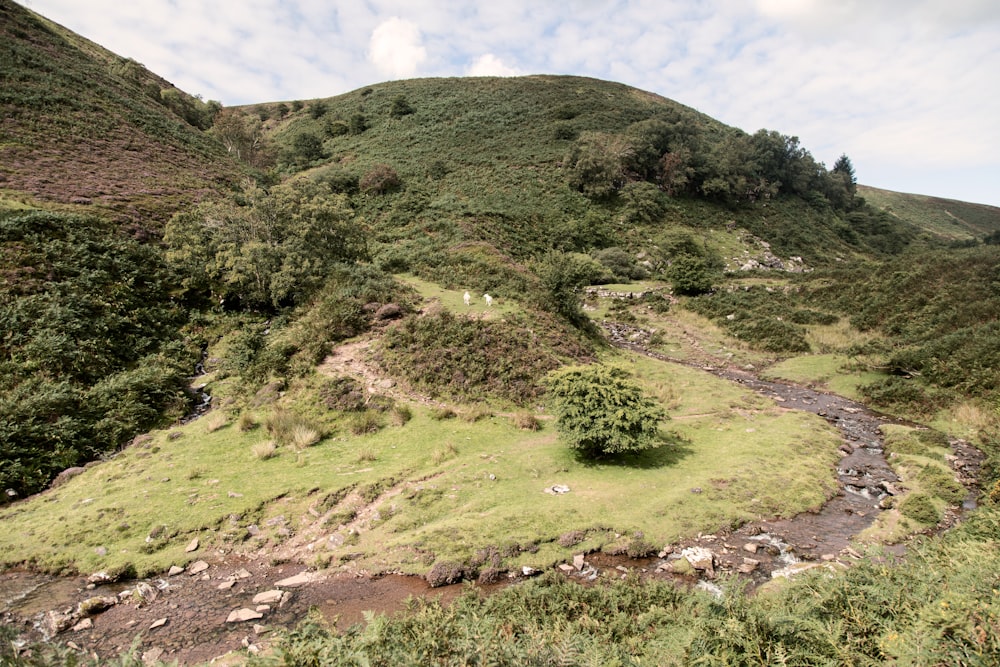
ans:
x=748 y=566
x=528 y=571
x=262 y=608
x=99 y=578
x=556 y=489
x=750 y=547
x=566 y=567
x=152 y=656
x=389 y=311
x=578 y=561
x=241 y=574
x=268 y=597
x=174 y=571
x=242 y=615
x=145 y=592
x=260 y=629
x=197 y=567
x=85 y=624
x=55 y=622
x=701 y=559
x=298 y=580
x=444 y=573
x=192 y=546
x=96 y=605
x=226 y=585
x=158 y=623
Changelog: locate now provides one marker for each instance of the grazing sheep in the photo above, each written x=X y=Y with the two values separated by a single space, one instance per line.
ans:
x=467 y=298
x=489 y=300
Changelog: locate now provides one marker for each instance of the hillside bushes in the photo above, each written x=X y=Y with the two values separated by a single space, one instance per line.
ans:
x=90 y=354
x=445 y=354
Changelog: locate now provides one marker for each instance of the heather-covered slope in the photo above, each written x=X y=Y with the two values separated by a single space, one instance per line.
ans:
x=84 y=127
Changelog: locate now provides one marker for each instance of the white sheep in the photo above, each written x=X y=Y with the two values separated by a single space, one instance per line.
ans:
x=489 y=300
x=467 y=298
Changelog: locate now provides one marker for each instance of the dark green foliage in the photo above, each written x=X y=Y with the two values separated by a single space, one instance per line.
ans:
x=445 y=354
x=87 y=356
x=918 y=506
x=621 y=264
x=763 y=318
x=400 y=107
x=690 y=276
x=601 y=412
x=274 y=249
x=562 y=275
x=940 y=310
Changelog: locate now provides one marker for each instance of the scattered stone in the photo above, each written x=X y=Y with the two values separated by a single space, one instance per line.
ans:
x=566 y=567
x=701 y=559
x=99 y=578
x=578 y=561
x=750 y=547
x=241 y=574
x=696 y=490
x=748 y=566
x=556 y=489
x=145 y=592
x=152 y=656
x=174 y=570
x=56 y=622
x=85 y=624
x=298 y=580
x=848 y=551
x=263 y=608
x=268 y=597
x=96 y=605
x=197 y=567
x=528 y=571
x=828 y=557
x=192 y=546
x=242 y=615
x=226 y=585
x=158 y=623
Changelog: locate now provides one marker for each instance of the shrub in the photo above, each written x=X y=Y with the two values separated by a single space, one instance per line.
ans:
x=690 y=276
x=527 y=421
x=265 y=450
x=918 y=506
x=400 y=414
x=600 y=412
x=215 y=421
x=368 y=421
x=246 y=422
x=380 y=179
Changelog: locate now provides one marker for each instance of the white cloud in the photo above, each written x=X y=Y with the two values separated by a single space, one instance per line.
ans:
x=396 y=48
x=489 y=65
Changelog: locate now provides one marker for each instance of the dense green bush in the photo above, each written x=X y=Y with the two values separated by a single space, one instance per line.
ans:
x=442 y=353
x=601 y=412
x=91 y=353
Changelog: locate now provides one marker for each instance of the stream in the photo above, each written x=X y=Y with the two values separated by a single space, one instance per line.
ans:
x=183 y=616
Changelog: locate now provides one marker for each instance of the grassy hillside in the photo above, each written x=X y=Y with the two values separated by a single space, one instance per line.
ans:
x=947 y=218
x=89 y=129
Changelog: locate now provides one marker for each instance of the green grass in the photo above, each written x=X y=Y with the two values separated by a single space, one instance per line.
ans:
x=748 y=458
x=831 y=372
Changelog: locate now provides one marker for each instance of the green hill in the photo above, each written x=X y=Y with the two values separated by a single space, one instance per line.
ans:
x=946 y=218
x=87 y=129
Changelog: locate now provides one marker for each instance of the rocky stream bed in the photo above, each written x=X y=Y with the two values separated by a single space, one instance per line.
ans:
x=226 y=603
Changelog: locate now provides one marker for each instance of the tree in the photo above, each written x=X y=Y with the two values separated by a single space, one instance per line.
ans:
x=690 y=275
x=602 y=413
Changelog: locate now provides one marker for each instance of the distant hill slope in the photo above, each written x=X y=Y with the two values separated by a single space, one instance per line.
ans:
x=948 y=218
x=81 y=125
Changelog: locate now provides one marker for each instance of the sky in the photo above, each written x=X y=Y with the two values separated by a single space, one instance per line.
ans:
x=909 y=90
